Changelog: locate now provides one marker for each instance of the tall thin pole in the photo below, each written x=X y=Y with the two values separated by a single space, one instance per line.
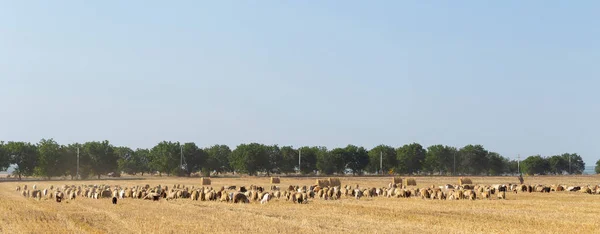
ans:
x=454 y=168
x=570 y=171
x=299 y=159
x=381 y=162
x=77 y=163
x=181 y=157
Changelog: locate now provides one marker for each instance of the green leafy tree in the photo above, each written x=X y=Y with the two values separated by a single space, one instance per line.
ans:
x=558 y=165
x=497 y=164
x=249 y=158
x=274 y=159
x=289 y=159
x=165 y=157
x=358 y=158
x=309 y=159
x=24 y=156
x=69 y=162
x=597 y=167
x=125 y=161
x=141 y=158
x=513 y=167
x=339 y=158
x=194 y=157
x=387 y=154
x=218 y=159
x=102 y=156
x=535 y=165
x=410 y=158
x=50 y=155
x=4 y=157
x=439 y=159
x=326 y=161
x=473 y=159
x=577 y=166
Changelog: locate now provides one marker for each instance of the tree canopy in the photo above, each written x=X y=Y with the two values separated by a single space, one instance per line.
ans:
x=47 y=159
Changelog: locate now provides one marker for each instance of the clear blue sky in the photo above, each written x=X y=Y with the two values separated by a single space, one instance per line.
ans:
x=519 y=77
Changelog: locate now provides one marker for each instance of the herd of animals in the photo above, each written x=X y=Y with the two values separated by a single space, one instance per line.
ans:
x=295 y=194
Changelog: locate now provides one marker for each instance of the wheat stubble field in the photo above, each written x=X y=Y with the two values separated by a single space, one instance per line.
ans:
x=566 y=212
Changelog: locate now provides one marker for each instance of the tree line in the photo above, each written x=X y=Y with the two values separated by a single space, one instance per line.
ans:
x=48 y=159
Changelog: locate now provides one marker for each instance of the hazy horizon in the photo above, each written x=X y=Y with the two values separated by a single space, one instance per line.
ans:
x=516 y=77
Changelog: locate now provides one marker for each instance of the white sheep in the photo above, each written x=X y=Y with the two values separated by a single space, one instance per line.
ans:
x=265 y=198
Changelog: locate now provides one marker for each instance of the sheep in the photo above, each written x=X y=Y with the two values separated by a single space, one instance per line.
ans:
x=58 y=196
x=72 y=195
x=502 y=195
x=195 y=195
x=114 y=200
x=18 y=188
x=240 y=198
x=265 y=198
x=36 y=194
x=485 y=194
x=152 y=196
x=358 y=193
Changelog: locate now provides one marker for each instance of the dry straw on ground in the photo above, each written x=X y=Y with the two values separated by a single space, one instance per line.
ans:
x=552 y=212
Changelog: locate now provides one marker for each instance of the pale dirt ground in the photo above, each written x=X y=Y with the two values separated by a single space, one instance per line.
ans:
x=557 y=212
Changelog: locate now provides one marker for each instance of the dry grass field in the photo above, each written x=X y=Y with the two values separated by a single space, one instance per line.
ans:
x=555 y=212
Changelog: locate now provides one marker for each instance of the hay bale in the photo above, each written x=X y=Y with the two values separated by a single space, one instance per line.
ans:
x=463 y=181
x=275 y=180
x=409 y=182
x=396 y=180
x=205 y=181
x=334 y=182
x=322 y=183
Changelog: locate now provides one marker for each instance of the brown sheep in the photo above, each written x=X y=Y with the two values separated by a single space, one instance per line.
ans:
x=240 y=198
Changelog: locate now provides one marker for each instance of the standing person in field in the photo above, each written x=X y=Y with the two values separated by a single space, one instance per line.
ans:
x=521 y=178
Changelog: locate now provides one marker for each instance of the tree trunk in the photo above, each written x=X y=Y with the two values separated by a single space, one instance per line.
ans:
x=142 y=173
x=19 y=176
x=98 y=176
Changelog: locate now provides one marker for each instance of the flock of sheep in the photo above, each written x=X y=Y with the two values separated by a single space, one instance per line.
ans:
x=296 y=194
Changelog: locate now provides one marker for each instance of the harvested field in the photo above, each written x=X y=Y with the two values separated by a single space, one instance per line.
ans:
x=554 y=212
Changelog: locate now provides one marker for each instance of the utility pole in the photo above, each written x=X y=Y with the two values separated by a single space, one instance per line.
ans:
x=77 y=163
x=454 y=168
x=381 y=162
x=570 y=171
x=299 y=159
x=181 y=157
